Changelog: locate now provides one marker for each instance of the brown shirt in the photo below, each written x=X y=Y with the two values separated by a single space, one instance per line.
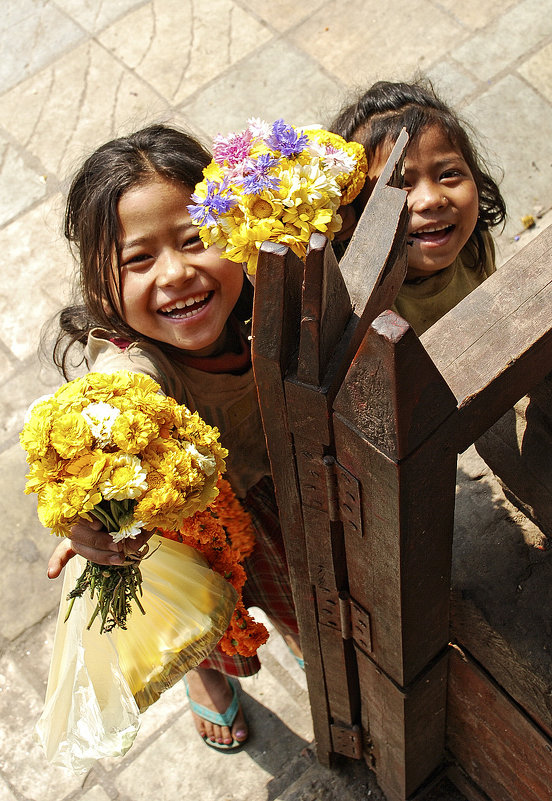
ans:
x=422 y=303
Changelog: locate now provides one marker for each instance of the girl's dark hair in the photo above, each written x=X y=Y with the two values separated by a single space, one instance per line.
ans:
x=92 y=226
x=379 y=115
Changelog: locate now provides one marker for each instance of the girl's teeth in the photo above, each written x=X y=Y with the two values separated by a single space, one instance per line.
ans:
x=183 y=304
x=430 y=234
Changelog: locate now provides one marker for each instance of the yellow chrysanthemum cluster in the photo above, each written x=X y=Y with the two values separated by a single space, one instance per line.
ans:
x=278 y=184
x=113 y=447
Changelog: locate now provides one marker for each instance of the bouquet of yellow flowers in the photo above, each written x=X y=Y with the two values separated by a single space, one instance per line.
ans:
x=110 y=446
x=275 y=183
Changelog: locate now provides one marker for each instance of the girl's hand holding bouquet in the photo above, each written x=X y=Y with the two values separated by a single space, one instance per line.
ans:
x=110 y=447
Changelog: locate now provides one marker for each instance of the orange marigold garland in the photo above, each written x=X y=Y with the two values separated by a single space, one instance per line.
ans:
x=224 y=535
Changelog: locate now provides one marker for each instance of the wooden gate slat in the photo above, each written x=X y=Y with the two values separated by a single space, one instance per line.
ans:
x=275 y=335
x=490 y=305
x=325 y=312
x=507 y=755
x=400 y=569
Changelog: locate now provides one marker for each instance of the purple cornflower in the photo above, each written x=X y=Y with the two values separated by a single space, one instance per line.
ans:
x=233 y=148
x=286 y=139
x=256 y=175
x=214 y=203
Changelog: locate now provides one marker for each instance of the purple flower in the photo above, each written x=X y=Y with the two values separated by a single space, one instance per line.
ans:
x=233 y=148
x=214 y=203
x=256 y=175
x=286 y=139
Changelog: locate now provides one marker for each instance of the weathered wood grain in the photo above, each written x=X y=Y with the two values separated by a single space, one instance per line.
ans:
x=496 y=345
x=275 y=336
x=393 y=393
x=406 y=726
x=325 y=311
x=502 y=750
x=521 y=669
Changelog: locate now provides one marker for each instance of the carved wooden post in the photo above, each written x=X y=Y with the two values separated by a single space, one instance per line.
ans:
x=386 y=422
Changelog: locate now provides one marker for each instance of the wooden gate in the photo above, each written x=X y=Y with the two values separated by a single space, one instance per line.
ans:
x=363 y=424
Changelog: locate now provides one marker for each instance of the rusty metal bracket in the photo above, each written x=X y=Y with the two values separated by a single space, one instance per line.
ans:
x=342 y=613
x=347 y=740
x=343 y=491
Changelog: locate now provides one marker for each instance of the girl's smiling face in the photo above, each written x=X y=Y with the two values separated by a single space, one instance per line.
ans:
x=443 y=200
x=173 y=290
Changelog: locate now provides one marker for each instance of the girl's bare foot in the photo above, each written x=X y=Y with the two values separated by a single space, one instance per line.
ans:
x=211 y=689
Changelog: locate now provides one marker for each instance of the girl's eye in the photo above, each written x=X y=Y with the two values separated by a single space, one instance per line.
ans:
x=138 y=260
x=192 y=241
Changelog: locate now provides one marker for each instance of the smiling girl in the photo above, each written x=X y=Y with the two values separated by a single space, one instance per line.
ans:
x=452 y=200
x=155 y=300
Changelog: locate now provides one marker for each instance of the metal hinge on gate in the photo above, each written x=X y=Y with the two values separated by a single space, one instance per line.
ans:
x=343 y=496
x=347 y=740
x=341 y=612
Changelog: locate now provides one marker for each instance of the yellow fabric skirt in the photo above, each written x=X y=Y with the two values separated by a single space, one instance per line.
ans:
x=99 y=683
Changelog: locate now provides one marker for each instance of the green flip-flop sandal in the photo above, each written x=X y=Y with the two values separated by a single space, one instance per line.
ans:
x=225 y=718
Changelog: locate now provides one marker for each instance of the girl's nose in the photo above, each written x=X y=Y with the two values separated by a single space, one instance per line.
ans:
x=173 y=268
x=426 y=196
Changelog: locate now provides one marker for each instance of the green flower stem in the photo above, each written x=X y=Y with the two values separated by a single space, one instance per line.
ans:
x=114 y=587
x=103 y=516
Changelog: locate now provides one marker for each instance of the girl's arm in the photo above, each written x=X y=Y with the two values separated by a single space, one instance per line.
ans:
x=94 y=543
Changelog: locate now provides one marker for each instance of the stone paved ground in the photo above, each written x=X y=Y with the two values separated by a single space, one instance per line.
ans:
x=76 y=72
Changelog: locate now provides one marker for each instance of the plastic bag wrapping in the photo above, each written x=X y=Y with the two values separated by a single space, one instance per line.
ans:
x=99 y=683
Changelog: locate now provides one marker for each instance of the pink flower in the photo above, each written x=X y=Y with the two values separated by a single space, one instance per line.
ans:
x=232 y=149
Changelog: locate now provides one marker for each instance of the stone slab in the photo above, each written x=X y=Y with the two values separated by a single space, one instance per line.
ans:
x=524 y=153
x=177 y=48
x=474 y=14
x=451 y=82
x=32 y=245
x=26 y=593
x=507 y=39
x=42 y=33
x=17 y=385
x=97 y=793
x=95 y=16
x=346 y=43
x=283 y=14
x=268 y=96
x=69 y=108
x=22 y=762
x=538 y=71
x=20 y=185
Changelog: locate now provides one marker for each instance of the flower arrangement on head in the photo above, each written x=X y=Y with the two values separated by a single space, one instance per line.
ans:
x=112 y=447
x=275 y=183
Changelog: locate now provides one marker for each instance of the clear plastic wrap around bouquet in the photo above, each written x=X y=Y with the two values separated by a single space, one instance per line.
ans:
x=111 y=446
x=99 y=683
x=275 y=183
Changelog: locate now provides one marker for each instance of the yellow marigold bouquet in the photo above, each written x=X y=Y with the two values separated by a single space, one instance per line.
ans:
x=112 y=447
x=275 y=183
